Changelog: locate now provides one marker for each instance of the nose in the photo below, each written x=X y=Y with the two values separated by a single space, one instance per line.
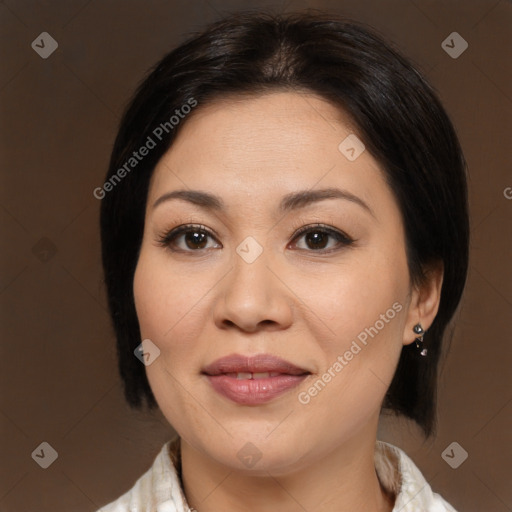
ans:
x=253 y=296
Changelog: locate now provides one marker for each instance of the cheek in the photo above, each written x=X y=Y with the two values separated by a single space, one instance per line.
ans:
x=168 y=311
x=347 y=299
x=359 y=315
x=167 y=301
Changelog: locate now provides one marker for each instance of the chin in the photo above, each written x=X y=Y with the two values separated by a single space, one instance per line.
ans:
x=256 y=454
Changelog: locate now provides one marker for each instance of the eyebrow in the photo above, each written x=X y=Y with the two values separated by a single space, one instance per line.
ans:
x=289 y=202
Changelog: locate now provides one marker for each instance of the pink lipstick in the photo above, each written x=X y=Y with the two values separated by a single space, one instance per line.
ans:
x=253 y=380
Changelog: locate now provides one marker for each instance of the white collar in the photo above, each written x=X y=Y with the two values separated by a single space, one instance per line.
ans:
x=159 y=489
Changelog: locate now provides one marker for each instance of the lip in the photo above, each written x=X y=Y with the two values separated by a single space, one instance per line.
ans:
x=222 y=375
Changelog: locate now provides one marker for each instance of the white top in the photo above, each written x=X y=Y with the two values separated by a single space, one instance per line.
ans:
x=159 y=489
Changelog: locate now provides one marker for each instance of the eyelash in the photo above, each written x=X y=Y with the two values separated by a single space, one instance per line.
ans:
x=167 y=239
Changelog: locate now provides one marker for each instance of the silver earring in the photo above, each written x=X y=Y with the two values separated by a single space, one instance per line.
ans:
x=419 y=340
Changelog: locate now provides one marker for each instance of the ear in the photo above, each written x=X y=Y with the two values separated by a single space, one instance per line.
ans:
x=424 y=302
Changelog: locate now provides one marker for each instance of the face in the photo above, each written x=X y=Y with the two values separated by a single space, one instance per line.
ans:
x=319 y=280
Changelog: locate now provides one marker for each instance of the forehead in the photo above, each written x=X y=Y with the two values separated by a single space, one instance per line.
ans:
x=240 y=129
x=275 y=143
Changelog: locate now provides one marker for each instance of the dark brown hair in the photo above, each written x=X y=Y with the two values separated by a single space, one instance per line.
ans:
x=398 y=117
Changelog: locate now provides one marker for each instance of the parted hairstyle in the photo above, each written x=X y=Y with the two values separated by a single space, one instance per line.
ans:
x=396 y=114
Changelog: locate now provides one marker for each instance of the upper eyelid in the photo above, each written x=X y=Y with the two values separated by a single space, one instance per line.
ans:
x=184 y=228
x=178 y=230
x=320 y=227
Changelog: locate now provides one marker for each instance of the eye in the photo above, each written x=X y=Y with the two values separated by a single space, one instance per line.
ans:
x=193 y=238
x=317 y=238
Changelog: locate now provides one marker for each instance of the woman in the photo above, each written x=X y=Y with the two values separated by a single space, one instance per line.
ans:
x=285 y=239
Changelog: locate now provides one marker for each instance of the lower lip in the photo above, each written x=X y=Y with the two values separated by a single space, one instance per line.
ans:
x=254 y=391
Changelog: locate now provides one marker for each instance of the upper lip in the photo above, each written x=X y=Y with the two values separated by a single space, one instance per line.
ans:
x=260 y=363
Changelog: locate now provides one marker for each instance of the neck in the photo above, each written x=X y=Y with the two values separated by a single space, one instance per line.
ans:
x=343 y=481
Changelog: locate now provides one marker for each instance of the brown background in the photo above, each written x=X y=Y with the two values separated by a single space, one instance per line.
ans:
x=59 y=117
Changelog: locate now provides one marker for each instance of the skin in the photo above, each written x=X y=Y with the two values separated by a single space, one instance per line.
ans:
x=303 y=302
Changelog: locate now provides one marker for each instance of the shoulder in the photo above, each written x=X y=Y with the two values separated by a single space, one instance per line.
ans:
x=158 y=489
x=398 y=473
